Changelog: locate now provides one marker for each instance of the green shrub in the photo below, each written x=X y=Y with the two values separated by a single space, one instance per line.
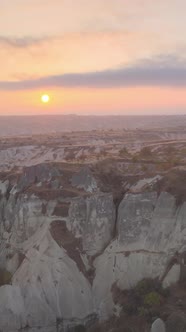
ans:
x=5 y=277
x=145 y=299
x=152 y=299
x=146 y=286
x=143 y=287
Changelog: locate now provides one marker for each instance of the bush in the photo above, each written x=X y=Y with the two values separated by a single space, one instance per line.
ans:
x=143 y=286
x=5 y=277
x=152 y=299
x=146 y=286
x=144 y=300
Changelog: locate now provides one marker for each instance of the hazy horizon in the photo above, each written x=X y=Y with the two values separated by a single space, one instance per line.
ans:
x=141 y=115
x=40 y=124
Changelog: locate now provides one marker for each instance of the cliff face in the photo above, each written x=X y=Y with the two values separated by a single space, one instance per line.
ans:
x=66 y=244
x=150 y=243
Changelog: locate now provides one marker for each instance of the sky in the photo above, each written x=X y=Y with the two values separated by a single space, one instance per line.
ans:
x=93 y=57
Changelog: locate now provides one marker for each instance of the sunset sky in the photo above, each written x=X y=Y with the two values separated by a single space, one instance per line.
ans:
x=93 y=57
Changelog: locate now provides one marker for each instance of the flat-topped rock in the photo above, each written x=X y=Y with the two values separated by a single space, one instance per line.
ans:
x=36 y=174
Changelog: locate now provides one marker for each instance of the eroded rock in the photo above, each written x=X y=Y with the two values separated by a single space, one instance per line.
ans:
x=66 y=249
x=158 y=326
x=84 y=179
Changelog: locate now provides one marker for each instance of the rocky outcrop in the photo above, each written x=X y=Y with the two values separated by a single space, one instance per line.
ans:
x=151 y=238
x=48 y=245
x=66 y=246
x=158 y=326
x=176 y=322
x=93 y=220
x=37 y=174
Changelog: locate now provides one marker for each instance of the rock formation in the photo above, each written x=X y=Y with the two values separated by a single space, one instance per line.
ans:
x=66 y=244
x=158 y=326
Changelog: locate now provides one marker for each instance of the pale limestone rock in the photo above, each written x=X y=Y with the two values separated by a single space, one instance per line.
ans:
x=144 y=183
x=4 y=187
x=134 y=219
x=150 y=231
x=13 y=263
x=50 y=278
x=115 y=265
x=173 y=276
x=12 y=310
x=50 y=283
x=93 y=220
x=158 y=326
x=29 y=155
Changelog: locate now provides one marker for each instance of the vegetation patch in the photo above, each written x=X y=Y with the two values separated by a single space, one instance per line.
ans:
x=144 y=300
x=5 y=277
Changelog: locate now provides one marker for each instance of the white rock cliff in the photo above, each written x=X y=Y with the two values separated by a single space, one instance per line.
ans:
x=66 y=246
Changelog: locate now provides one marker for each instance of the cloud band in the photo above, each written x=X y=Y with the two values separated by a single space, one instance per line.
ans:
x=157 y=75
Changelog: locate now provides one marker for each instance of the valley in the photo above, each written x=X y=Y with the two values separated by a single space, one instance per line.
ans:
x=85 y=217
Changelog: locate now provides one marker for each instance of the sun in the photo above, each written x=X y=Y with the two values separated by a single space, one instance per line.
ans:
x=45 y=99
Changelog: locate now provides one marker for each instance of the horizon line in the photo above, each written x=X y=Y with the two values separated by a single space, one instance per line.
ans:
x=93 y=115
